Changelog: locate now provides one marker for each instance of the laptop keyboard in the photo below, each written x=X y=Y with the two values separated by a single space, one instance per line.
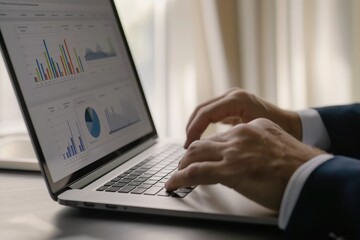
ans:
x=149 y=176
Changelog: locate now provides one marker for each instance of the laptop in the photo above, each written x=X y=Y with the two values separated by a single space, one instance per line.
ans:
x=88 y=119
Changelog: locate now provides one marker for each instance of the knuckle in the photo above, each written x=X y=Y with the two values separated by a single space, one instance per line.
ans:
x=193 y=147
x=245 y=129
x=265 y=124
x=241 y=94
x=192 y=171
x=261 y=121
x=232 y=150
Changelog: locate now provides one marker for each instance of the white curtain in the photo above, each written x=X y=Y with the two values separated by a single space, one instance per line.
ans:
x=300 y=53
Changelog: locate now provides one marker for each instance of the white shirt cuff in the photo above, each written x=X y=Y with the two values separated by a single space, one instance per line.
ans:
x=314 y=132
x=295 y=185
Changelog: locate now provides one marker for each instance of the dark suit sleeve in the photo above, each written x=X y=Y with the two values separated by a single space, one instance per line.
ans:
x=328 y=202
x=343 y=126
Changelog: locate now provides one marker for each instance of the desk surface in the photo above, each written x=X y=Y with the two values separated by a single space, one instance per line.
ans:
x=28 y=212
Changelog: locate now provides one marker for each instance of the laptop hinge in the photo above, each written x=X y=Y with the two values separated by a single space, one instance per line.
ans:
x=110 y=166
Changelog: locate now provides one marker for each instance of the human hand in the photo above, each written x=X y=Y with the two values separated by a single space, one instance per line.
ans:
x=238 y=106
x=256 y=159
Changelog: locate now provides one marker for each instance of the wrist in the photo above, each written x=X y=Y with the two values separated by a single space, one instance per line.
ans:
x=292 y=124
x=290 y=121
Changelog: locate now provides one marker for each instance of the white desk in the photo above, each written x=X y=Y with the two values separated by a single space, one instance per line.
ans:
x=28 y=212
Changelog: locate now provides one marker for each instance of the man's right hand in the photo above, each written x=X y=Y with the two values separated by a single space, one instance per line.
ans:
x=238 y=106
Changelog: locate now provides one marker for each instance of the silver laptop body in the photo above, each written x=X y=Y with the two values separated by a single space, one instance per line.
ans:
x=86 y=112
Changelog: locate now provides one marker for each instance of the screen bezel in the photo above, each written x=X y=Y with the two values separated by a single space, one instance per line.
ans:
x=56 y=188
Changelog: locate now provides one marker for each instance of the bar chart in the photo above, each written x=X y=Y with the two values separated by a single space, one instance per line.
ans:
x=66 y=63
x=75 y=145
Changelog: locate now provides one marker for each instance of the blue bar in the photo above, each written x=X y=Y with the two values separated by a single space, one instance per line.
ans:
x=50 y=59
x=57 y=64
x=42 y=68
x=73 y=149
x=38 y=65
x=67 y=155
x=81 y=144
x=73 y=144
x=82 y=68
x=80 y=138
x=54 y=68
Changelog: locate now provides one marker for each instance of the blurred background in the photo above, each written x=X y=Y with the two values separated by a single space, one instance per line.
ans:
x=294 y=53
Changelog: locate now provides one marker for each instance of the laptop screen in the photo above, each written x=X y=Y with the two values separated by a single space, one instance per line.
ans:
x=76 y=80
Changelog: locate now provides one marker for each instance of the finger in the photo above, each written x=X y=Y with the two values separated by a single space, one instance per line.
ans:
x=205 y=104
x=202 y=151
x=211 y=113
x=201 y=173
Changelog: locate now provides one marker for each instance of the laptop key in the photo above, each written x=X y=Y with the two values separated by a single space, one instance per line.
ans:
x=153 y=190
x=158 y=184
x=112 y=189
x=164 y=193
x=122 y=175
x=138 y=190
x=146 y=175
x=124 y=181
x=144 y=185
x=183 y=190
x=115 y=179
x=131 y=177
x=155 y=178
x=102 y=188
x=109 y=183
x=150 y=182
x=119 y=184
x=142 y=179
x=179 y=194
x=134 y=183
x=126 y=189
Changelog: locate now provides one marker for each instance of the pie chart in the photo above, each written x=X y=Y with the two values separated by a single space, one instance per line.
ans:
x=92 y=122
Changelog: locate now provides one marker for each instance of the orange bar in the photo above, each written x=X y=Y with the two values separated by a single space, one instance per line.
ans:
x=71 y=63
x=47 y=70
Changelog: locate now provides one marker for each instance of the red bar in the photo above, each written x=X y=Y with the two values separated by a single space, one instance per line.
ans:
x=36 y=79
x=67 y=50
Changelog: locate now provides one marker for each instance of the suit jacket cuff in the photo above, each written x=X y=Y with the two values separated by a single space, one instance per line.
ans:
x=295 y=186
